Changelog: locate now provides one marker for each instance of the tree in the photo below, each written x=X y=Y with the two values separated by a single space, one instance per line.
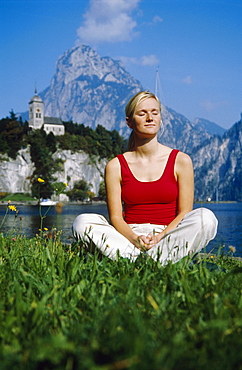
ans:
x=80 y=191
x=59 y=187
x=45 y=165
x=13 y=116
x=41 y=190
x=102 y=191
x=118 y=143
x=13 y=136
x=51 y=142
x=100 y=141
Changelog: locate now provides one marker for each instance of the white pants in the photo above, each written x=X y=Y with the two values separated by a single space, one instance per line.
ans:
x=192 y=234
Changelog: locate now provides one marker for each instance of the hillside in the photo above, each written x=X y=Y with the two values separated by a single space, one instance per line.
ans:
x=218 y=166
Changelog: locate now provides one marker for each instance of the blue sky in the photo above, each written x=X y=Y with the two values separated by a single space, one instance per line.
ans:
x=195 y=44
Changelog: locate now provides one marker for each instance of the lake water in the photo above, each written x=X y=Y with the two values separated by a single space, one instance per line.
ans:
x=27 y=222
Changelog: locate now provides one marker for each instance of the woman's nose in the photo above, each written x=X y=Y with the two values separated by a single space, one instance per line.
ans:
x=149 y=117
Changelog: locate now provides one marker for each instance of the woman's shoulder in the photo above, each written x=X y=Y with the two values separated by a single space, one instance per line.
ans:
x=113 y=170
x=113 y=164
x=183 y=161
x=183 y=157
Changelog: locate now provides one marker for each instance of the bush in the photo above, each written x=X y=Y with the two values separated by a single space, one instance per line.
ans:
x=3 y=194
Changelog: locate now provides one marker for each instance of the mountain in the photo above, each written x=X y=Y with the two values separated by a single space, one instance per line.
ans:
x=218 y=166
x=180 y=133
x=90 y=89
x=211 y=127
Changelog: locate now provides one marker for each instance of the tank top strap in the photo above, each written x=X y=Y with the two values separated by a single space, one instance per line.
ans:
x=124 y=165
x=169 y=169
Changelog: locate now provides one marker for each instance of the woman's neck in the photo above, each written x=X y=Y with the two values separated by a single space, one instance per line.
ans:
x=145 y=147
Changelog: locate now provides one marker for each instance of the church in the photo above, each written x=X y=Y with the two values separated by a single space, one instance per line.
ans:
x=37 y=118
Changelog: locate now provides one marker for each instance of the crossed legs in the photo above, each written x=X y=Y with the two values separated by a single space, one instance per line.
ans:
x=192 y=234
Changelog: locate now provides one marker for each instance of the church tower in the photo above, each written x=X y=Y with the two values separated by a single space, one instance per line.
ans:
x=36 y=112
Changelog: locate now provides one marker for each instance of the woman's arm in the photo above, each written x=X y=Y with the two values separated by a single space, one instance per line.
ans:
x=185 y=178
x=113 y=192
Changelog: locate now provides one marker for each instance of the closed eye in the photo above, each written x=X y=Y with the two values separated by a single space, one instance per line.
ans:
x=143 y=112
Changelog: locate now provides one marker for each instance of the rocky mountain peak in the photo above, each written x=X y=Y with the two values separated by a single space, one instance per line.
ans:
x=90 y=89
x=211 y=127
x=82 y=60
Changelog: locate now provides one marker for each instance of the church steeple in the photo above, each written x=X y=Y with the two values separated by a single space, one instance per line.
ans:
x=36 y=111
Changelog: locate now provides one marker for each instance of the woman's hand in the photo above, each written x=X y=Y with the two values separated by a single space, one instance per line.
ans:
x=142 y=242
x=146 y=242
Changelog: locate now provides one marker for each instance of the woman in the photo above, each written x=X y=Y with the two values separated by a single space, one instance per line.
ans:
x=149 y=196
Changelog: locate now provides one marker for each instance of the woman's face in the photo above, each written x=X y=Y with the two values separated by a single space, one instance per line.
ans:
x=147 y=117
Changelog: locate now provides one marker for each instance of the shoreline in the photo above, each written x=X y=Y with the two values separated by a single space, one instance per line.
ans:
x=36 y=203
x=97 y=202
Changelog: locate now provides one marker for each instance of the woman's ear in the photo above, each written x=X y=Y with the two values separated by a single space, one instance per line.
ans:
x=128 y=122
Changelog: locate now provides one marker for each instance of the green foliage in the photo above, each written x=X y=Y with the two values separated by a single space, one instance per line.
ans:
x=80 y=191
x=12 y=135
x=3 y=194
x=59 y=188
x=17 y=197
x=102 y=191
x=63 y=309
x=51 y=142
x=13 y=116
x=45 y=166
x=100 y=142
x=73 y=143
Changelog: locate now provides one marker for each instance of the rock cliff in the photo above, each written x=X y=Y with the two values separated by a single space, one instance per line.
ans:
x=15 y=175
x=78 y=166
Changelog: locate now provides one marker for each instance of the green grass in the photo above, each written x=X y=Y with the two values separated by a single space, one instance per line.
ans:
x=63 y=309
x=18 y=197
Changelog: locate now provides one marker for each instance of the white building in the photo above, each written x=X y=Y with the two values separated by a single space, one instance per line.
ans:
x=37 y=118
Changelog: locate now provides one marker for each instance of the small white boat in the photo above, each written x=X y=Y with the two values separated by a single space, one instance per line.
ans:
x=47 y=202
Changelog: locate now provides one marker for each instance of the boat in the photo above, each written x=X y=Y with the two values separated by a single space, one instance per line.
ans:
x=47 y=202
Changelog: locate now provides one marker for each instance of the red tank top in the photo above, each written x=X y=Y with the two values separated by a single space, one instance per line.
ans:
x=152 y=202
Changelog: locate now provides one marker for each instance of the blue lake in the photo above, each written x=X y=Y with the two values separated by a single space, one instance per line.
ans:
x=27 y=222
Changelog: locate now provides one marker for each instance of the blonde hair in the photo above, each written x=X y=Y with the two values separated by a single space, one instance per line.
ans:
x=132 y=106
